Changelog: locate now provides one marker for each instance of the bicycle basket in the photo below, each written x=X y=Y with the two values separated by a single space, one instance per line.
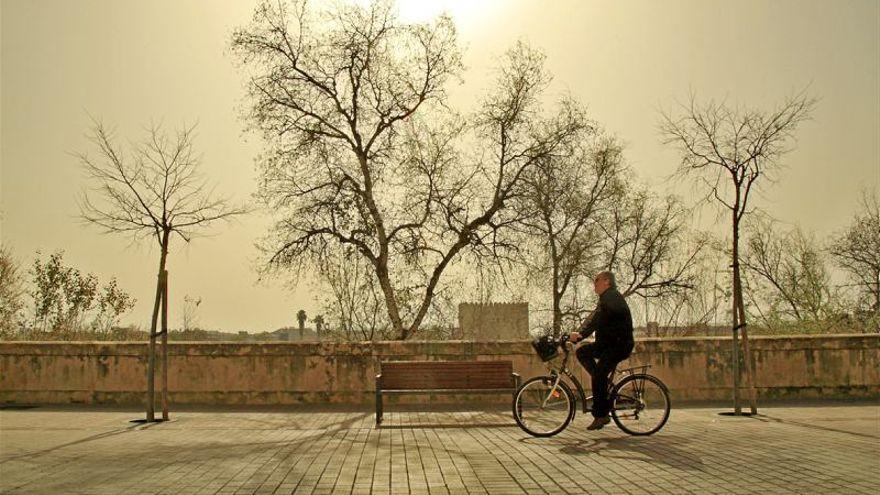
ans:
x=546 y=347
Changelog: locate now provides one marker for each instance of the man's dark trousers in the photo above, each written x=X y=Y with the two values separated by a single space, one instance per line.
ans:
x=599 y=362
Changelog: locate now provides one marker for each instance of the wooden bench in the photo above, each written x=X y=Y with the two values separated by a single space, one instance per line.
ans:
x=437 y=377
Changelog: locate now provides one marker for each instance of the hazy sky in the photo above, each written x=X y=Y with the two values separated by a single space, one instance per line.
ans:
x=129 y=62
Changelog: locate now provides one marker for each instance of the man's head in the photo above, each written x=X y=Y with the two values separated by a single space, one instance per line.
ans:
x=603 y=282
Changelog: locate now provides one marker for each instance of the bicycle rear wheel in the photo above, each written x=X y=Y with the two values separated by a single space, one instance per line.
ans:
x=640 y=404
x=541 y=409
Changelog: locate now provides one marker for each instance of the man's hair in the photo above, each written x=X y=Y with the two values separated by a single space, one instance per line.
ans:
x=609 y=276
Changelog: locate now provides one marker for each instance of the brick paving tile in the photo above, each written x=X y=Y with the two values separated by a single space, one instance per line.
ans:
x=815 y=449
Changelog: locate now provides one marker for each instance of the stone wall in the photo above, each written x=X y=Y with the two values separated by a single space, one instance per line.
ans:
x=291 y=373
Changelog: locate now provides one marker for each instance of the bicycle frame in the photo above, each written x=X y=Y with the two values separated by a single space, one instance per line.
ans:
x=559 y=372
x=562 y=370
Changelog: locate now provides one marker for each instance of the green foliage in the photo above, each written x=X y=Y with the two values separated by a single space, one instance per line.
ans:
x=112 y=303
x=843 y=323
x=67 y=301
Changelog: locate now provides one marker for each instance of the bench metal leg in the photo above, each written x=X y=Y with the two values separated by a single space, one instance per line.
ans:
x=517 y=381
x=378 y=400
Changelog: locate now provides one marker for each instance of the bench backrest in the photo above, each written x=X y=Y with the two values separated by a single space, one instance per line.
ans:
x=438 y=375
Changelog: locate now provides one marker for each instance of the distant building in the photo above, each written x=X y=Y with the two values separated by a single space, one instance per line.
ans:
x=493 y=321
x=292 y=334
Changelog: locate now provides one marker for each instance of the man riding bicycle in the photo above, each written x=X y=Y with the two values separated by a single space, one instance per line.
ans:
x=612 y=323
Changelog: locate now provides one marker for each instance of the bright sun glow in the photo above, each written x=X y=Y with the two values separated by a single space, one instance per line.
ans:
x=420 y=11
x=464 y=12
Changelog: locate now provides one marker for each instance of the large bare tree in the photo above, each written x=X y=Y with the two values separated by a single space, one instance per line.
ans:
x=856 y=249
x=729 y=151
x=363 y=151
x=155 y=192
x=584 y=213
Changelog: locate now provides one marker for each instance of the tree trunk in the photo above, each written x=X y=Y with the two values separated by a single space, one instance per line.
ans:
x=877 y=295
x=557 y=312
x=151 y=358
x=390 y=300
x=734 y=314
x=747 y=353
x=381 y=262
x=165 y=345
x=739 y=319
x=151 y=353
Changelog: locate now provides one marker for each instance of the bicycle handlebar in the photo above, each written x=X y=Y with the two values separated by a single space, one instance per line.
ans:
x=564 y=342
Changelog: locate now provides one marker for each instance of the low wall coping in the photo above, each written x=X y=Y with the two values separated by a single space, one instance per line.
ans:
x=416 y=347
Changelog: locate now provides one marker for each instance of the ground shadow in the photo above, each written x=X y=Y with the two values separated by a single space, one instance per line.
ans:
x=91 y=438
x=670 y=450
x=802 y=424
x=462 y=426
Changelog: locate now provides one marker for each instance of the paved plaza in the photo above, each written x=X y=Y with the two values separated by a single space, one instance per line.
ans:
x=805 y=449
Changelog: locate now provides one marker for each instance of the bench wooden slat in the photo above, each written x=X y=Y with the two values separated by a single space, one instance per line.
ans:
x=451 y=391
x=431 y=375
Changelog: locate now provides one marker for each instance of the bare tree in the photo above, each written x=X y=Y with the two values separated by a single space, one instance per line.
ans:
x=12 y=293
x=693 y=301
x=564 y=199
x=364 y=153
x=727 y=150
x=153 y=192
x=587 y=216
x=857 y=249
x=648 y=246
x=791 y=270
x=190 y=315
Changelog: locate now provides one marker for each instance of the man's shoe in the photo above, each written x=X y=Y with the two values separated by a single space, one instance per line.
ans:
x=599 y=423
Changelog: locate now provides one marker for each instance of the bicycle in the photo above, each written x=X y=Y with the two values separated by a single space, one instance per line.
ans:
x=545 y=405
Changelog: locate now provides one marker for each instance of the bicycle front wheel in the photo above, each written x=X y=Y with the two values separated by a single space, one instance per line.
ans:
x=542 y=409
x=640 y=404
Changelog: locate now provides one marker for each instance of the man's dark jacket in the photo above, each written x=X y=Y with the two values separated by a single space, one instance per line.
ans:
x=611 y=321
